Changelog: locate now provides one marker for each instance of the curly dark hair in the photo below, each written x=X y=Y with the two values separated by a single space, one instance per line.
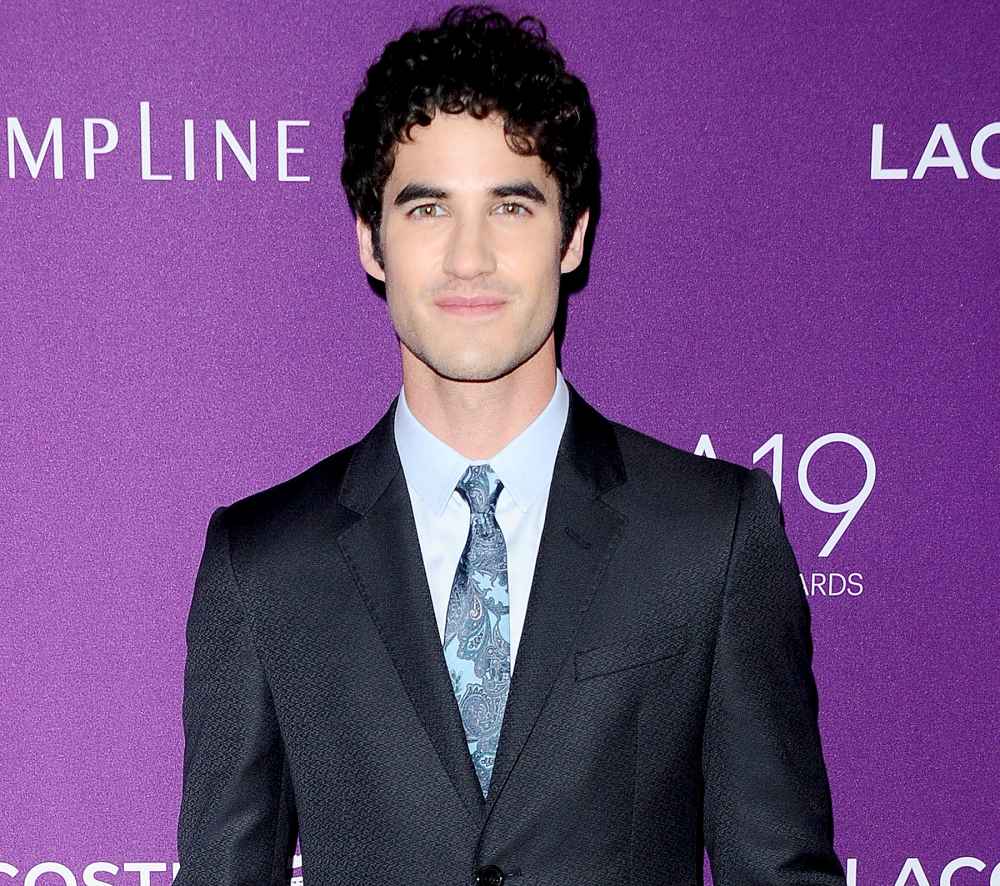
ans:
x=475 y=59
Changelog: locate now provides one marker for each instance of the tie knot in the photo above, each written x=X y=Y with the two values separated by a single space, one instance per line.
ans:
x=480 y=487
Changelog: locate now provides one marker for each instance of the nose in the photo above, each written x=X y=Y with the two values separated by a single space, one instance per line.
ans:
x=470 y=250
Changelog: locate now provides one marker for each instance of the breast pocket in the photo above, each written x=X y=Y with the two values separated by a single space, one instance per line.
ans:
x=609 y=658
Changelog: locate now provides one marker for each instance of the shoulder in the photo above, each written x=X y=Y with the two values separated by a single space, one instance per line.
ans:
x=647 y=458
x=662 y=478
x=290 y=513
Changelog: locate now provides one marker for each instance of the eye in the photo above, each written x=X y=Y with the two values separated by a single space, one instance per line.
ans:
x=418 y=211
x=516 y=206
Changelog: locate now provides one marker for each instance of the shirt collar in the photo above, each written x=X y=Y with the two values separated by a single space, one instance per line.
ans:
x=524 y=465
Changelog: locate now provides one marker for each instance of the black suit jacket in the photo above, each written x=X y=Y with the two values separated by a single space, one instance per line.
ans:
x=662 y=699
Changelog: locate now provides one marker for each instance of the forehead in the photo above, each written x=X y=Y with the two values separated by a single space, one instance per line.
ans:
x=462 y=152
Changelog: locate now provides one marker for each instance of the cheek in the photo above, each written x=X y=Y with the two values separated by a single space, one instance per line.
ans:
x=407 y=268
x=535 y=265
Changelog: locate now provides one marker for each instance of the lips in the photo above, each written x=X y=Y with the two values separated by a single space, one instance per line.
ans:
x=472 y=301
x=468 y=307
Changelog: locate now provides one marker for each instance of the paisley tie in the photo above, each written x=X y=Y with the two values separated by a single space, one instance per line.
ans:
x=477 y=629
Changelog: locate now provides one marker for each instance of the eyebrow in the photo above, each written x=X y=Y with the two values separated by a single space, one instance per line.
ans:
x=421 y=191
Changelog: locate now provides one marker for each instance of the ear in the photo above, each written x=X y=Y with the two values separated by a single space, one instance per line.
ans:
x=574 y=251
x=366 y=252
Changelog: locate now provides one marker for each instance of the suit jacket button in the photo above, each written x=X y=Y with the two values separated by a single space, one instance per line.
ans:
x=488 y=875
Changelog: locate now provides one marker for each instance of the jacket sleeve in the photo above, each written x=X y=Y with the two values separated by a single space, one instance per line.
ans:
x=767 y=809
x=237 y=822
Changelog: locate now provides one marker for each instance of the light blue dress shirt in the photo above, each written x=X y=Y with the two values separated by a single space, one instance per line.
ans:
x=433 y=469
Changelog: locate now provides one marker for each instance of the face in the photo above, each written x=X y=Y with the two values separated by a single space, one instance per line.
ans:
x=470 y=240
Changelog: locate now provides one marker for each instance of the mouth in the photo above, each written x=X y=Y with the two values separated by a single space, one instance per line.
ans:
x=473 y=306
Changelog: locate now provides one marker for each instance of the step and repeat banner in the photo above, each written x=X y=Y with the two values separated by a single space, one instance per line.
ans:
x=796 y=267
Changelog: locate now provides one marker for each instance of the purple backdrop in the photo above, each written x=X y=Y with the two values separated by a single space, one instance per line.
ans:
x=169 y=345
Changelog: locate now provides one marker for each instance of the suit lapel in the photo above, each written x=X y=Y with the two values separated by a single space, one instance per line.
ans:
x=578 y=536
x=383 y=552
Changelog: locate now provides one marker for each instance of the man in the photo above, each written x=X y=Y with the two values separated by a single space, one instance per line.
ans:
x=500 y=639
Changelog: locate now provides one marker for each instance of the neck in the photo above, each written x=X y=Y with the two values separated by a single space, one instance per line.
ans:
x=478 y=418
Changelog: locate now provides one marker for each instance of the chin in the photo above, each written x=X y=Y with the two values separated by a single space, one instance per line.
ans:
x=474 y=367
x=459 y=360
x=469 y=372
